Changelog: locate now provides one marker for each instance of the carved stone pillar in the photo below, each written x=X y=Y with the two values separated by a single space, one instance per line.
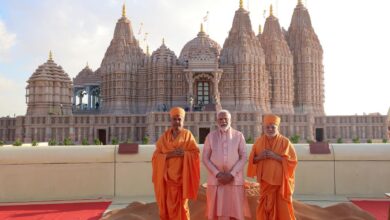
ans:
x=216 y=78
x=190 y=81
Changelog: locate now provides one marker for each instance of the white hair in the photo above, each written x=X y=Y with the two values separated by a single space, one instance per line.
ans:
x=226 y=112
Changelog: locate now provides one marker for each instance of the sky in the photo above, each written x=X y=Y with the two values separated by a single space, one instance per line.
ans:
x=353 y=34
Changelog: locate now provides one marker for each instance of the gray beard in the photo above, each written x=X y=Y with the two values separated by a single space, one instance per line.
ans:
x=224 y=128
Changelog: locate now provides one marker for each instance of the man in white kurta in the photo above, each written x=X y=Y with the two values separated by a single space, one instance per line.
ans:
x=224 y=155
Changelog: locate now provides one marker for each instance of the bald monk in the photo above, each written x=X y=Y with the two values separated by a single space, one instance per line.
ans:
x=176 y=169
x=273 y=161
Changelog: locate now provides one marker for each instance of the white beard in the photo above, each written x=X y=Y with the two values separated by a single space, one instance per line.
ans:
x=224 y=129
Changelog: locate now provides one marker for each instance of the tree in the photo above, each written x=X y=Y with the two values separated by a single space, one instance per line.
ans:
x=84 y=141
x=249 y=140
x=145 y=139
x=114 y=141
x=96 y=141
x=356 y=140
x=339 y=140
x=17 y=142
x=295 y=138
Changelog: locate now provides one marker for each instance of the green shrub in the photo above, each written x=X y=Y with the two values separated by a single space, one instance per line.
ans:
x=68 y=141
x=114 y=141
x=96 y=141
x=84 y=141
x=384 y=140
x=18 y=142
x=249 y=140
x=34 y=143
x=339 y=140
x=52 y=142
x=129 y=141
x=369 y=141
x=356 y=140
x=295 y=138
x=145 y=139
x=1 y=142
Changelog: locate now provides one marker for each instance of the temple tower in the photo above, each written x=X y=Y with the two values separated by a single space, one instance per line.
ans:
x=244 y=84
x=49 y=91
x=279 y=61
x=119 y=70
x=160 y=80
x=308 y=68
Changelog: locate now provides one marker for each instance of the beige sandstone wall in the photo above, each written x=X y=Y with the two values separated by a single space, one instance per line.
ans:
x=80 y=172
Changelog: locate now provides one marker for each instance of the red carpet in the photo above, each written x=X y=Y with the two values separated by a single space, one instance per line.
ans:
x=64 y=211
x=379 y=209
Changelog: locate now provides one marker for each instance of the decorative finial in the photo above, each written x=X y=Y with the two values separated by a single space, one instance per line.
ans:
x=87 y=65
x=260 y=30
x=201 y=28
x=124 y=10
x=163 y=41
x=271 y=11
x=241 y=4
x=300 y=2
x=147 y=50
x=50 y=56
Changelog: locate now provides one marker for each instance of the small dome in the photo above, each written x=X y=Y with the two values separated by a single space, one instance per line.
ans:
x=49 y=71
x=163 y=53
x=201 y=48
x=86 y=76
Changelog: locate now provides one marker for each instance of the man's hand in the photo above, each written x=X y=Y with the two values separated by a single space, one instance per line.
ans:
x=261 y=156
x=224 y=178
x=267 y=154
x=273 y=155
x=178 y=152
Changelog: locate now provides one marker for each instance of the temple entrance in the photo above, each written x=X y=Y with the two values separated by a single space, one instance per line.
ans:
x=203 y=132
x=102 y=134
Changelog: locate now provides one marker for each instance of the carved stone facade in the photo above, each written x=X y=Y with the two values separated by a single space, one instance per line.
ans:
x=49 y=91
x=308 y=68
x=129 y=95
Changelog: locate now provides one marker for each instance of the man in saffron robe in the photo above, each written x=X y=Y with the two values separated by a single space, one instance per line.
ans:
x=224 y=156
x=176 y=169
x=273 y=161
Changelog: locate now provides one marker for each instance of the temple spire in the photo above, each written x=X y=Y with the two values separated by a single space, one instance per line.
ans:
x=300 y=2
x=201 y=28
x=124 y=10
x=163 y=41
x=260 y=29
x=271 y=10
x=50 y=56
x=87 y=65
x=241 y=4
x=147 y=50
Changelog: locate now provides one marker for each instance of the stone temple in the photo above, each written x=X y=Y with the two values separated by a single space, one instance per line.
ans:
x=127 y=98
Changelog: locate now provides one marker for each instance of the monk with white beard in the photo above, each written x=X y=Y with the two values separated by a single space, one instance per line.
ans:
x=224 y=155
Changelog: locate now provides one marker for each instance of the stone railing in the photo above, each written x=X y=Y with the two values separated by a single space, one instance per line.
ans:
x=82 y=172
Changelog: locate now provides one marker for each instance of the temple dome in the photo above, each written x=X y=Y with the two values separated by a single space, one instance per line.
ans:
x=86 y=76
x=49 y=71
x=200 y=49
x=163 y=54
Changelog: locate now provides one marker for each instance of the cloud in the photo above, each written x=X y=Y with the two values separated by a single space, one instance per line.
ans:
x=7 y=40
x=11 y=97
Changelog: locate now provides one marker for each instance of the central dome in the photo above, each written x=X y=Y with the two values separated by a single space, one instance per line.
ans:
x=201 y=49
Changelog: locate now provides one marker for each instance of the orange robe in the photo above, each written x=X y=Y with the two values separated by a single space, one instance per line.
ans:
x=176 y=179
x=276 y=178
